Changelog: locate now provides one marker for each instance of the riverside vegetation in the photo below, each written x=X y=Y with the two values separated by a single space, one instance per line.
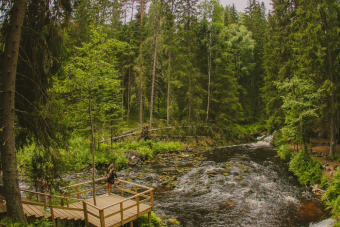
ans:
x=309 y=171
x=75 y=73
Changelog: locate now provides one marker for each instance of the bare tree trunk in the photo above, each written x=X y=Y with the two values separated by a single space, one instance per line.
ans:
x=129 y=76
x=92 y=149
x=332 y=149
x=141 y=81
x=7 y=113
x=209 y=80
x=154 y=74
x=168 y=101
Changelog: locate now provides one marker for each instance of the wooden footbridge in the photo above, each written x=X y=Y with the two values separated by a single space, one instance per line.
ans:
x=131 y=202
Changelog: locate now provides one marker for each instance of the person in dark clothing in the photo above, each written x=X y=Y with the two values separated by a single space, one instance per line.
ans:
x=110 y=178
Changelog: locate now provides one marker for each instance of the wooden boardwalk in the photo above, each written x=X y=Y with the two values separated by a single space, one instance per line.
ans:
x=114 y=210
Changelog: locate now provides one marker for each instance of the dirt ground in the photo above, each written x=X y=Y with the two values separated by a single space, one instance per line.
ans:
x=320 y=150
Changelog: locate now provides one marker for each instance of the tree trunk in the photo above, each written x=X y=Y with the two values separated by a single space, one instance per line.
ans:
x=92 y=149
x=129 y=76
x=168 y=104
x=209 y=79
x=7 y=113
x=332 y=149
x=141 y=81
x=154 y=74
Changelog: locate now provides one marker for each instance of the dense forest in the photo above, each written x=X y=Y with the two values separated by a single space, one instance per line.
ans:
x=96 y=68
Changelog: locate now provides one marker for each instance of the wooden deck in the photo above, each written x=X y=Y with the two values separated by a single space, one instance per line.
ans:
x=114 y=210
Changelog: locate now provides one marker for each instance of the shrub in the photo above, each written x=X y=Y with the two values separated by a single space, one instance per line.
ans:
x=332 y=195
x=324 y=182
x=162 y=147
x=306 y=168
x=143 y=221
x=285 y=152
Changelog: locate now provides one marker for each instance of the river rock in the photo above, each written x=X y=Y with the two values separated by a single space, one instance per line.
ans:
x=133 y=158
x=325 y=223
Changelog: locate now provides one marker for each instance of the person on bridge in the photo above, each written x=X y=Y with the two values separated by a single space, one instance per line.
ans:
x=110 y=178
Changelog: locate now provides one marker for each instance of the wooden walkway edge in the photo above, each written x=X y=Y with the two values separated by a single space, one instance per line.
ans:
x=111 y=211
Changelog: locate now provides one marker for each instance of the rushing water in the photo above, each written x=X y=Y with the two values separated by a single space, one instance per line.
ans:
x=244 y=185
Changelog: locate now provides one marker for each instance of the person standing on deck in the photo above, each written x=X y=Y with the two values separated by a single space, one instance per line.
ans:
x=110 y=178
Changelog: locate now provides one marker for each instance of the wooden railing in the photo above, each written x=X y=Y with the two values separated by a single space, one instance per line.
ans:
x=146 y=195
x=50 y=203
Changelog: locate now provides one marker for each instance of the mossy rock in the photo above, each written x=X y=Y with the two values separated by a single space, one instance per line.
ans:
x=173 y=221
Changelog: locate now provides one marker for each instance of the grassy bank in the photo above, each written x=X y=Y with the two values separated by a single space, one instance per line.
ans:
x=309 y=171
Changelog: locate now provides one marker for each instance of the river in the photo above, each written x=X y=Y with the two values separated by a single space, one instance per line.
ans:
x=243 y=185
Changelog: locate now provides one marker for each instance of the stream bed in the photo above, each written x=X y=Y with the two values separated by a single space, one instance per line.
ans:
x=242 y=185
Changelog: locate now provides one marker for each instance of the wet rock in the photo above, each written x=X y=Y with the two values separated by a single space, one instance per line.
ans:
x=133 y=158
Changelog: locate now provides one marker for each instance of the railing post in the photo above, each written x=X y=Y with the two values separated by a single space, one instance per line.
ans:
x=68 y=202
x=77 y=190
x=121 y=214
x=137 y=200
x=61 y=200
x=152 y=202
x=51 y=210
x=136 y=189
x=102 y=219
x=149 y=218
x=86 y=217
x=122 y=186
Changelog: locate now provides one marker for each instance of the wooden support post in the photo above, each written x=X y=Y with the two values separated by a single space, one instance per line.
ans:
x=122 y=186
x=86 y=217
x=131 y=224
x=61 y=200
x=152 y=202
x=121 y=214
x=68 y=202
x=102 y=219
x=51 y=210
x=77 y=189
x=137 y=200
x=136 y=188
x=149 y=218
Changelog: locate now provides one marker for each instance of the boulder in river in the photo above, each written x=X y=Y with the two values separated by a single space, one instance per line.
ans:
x=325 y=223
x=133 y=157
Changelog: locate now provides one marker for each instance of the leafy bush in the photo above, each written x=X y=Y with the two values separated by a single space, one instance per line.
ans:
x=162 y=147
x=332 y=195
x=324 y=182
x=285 y=152
x=143 y=221
x=306 y=168
x=38 y=223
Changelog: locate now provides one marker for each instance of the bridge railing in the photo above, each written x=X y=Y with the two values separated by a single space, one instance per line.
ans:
x=130 y=191
x=50 y=203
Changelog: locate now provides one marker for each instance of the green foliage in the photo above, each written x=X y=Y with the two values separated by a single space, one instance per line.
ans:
x=307 y=169
x=161 y=147
x=285 y=152
x=332 y=194
x=143 y=221
x=301 y=106
x=324 y=182
x=38 y=223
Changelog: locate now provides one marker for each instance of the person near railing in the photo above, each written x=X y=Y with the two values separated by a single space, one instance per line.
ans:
x=110 y=178
x=43 y=188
